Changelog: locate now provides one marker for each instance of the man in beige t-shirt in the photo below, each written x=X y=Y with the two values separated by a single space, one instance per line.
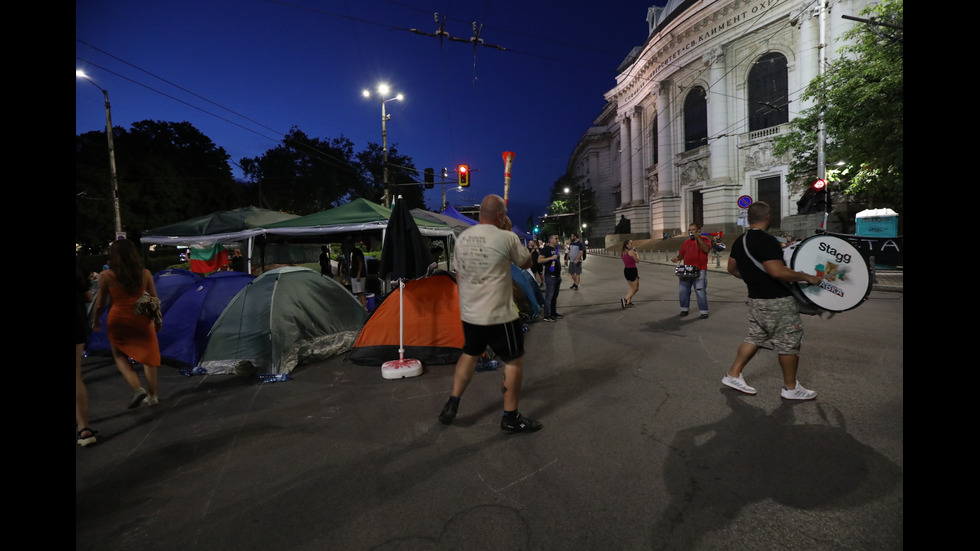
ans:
x=484 y=253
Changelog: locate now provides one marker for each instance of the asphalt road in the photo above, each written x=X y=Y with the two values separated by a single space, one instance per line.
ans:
x=642 y=446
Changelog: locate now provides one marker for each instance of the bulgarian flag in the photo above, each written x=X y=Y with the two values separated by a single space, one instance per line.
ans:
x=208 y=258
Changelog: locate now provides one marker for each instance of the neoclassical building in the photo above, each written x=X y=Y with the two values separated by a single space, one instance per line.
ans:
x=688 y=129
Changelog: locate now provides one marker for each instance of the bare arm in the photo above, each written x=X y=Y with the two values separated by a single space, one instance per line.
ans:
x=733 y=268
x=778 y=270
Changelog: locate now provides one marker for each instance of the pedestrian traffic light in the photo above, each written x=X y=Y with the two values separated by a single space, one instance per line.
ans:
x=815 y=199
x=464 y=175
x=429 y=178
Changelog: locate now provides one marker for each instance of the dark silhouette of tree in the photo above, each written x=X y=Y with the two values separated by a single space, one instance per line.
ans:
x=402 y=174
x=166 y=172
x=303 y=175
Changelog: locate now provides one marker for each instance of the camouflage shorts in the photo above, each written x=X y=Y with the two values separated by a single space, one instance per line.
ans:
x=774 y=324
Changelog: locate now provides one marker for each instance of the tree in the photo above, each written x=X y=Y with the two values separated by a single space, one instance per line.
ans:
x=304 y=175
x=166 y=172
x=402 y=174
x=563 y=212
x=861 y=94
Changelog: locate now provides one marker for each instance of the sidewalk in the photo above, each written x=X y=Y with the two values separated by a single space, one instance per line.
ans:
x=891 y=280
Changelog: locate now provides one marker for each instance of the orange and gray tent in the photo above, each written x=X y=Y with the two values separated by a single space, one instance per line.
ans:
x=433 y=330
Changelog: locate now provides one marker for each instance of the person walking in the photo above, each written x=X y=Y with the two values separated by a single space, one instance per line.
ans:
x=358 y=274
x=325 y=268
x=694 y=252
x=130 y=334
x=630 y=272
x=550 y=260
x=83 y=296
x=484 y=253
x=576 y=253
x=536 y=269
x=774 y=316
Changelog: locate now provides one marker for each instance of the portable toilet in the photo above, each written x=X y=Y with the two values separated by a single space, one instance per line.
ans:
x=877 y=223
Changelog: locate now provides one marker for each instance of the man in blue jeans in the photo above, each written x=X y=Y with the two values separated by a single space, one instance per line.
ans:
x=694 y=252
x=550 y=260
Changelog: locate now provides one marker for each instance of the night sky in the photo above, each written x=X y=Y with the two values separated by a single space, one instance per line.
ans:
x=245 y=72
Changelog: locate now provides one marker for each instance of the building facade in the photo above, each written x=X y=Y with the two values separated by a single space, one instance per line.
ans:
x=688 y=129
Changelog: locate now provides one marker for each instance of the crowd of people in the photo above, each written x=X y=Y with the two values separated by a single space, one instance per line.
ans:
x=483 y=257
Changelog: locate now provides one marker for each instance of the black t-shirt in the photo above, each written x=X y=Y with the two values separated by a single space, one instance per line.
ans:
x=357 y=263
x=325 y=267
x=550 y=267
x=764 y=247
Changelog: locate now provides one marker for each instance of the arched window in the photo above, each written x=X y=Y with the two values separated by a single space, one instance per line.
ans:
x=695 y=119
x=768 y=92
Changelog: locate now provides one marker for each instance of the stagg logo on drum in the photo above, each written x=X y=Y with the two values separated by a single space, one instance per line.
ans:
x=843 y=258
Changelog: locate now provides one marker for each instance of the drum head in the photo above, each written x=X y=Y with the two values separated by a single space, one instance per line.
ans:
x=847 y=279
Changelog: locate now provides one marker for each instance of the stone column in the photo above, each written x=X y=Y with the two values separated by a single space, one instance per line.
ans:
x=717 y=116
x=636 y=154
x=625 y=149
x=665 y=163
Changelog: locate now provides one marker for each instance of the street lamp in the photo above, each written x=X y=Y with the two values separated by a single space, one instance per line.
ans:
x=112 y=154
x=383 y=92
x=579 y=231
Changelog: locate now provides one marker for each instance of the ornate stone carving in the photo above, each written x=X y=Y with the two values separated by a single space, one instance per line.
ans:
x=693 y=172
x=761 y=157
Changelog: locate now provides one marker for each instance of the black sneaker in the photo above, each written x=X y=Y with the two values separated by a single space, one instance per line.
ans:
x=519 y=423
x=548 y=319
x=557 y=316
x=448 y=412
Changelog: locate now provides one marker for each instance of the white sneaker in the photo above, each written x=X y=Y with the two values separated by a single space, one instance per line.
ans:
x=798 y=393
x=738 y=383
x=151 y=400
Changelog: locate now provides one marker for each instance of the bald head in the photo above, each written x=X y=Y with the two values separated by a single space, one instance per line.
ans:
x=493 y=210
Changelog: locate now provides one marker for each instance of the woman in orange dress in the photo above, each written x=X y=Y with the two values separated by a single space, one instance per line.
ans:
x=131 y=335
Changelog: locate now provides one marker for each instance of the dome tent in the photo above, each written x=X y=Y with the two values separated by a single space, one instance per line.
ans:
x=190 y=317
x=281 y=319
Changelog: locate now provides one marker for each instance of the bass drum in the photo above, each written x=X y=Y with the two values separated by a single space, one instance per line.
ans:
x=846 y=277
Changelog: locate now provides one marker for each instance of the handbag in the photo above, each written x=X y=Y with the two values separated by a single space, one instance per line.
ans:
x=149 y=306
x=805 y=307
x=687 y=272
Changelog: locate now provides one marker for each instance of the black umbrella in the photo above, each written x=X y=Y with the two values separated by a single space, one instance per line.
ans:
x=405 y=253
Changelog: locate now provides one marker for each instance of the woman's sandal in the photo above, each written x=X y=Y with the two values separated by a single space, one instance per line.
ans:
x=86 y=440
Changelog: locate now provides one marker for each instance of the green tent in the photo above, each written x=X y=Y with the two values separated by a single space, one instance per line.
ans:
x=218 y=227
x=283 y=318
x=358 y=215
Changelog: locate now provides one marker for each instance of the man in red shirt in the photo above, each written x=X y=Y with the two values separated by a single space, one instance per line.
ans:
x=694 y=252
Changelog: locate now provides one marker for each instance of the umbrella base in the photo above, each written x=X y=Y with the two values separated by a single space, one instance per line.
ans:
x=400 y=369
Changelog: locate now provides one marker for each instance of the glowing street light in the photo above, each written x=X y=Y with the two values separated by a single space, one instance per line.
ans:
x=383 y=91
x=112 y=154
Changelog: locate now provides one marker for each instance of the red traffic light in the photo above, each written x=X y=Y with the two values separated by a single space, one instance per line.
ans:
x=464 y=175
x=819 y=184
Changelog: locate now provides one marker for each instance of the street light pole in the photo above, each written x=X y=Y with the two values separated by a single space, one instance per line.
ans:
x=383 y=93
x=112 y=155
x=579 y=195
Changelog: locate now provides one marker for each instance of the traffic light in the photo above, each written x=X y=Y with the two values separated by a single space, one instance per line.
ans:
x=815 y=199
x=429 y=178
x=464 y=175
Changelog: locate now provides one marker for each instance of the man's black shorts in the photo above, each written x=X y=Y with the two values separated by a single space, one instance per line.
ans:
x=506 y=339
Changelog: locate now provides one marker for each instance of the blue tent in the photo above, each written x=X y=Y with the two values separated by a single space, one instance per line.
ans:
x=170 y=284
x=186 y=323
x=532 y=293
x=453 y=213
